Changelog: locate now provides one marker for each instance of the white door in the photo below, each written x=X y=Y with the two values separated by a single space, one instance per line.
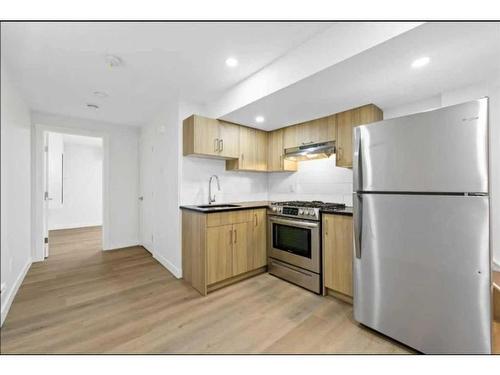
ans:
x=53 y=180
x=146 y=198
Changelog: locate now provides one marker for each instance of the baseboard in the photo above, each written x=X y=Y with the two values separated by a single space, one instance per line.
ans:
x=168 y=265
x=75 y=225
x=120 y=245
x=496 y=265
x=10 y=297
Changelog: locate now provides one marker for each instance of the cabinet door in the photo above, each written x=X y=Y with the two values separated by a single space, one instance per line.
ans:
x=219 y=253
x=275 y=150
x=275 y=155
x=260 y=150
x=247 y=148
x=345 y=123
x=258 y=239
x=290 y=136
x=229 y=139
x=337 y=253
x=241 y=248
x=344 y=139
x=206 y=136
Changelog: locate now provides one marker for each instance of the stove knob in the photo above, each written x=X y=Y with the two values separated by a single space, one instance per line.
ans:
x=301 y=212
x=310 y=212
x=275 y=209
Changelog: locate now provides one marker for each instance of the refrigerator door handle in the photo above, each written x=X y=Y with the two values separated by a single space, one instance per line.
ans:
x=358 y=224
x=358 y=175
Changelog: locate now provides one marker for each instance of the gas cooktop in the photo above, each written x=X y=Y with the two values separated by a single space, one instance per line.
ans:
x=309 y=210
x=309 y=204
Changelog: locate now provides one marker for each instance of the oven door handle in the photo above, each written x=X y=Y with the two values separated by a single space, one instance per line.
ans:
x=295 y=223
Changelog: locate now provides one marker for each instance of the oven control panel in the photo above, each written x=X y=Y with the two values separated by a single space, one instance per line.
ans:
x=304 y=213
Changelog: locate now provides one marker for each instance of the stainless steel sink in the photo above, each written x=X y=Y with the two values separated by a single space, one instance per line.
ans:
x=217 y=206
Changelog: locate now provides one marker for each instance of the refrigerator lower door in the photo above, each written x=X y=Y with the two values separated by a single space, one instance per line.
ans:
x=422 y=270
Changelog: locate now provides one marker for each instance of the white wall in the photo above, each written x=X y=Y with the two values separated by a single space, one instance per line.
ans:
x=82 y=189
x=160 y=188
x=15 y=191
x=121 y=174
x=462 y=95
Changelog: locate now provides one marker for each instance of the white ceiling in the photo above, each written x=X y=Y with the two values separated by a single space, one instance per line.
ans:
x=461 y=54
x=58 y=65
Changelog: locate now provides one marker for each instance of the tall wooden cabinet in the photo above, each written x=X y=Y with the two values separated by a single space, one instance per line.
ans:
x=346 y=121
x=337 y=255
x=203 y=136
x=222 y=248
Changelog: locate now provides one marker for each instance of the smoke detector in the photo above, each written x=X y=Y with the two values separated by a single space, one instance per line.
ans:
x=113 y=61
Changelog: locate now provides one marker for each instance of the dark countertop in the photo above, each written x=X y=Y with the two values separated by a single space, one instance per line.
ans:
x=339 y=211
x=240 y=206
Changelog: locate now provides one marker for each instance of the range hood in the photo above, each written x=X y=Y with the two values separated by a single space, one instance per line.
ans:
x=311 y=151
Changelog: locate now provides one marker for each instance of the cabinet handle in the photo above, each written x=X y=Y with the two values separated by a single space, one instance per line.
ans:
x=235 y=236
x=307 y=143
x=255 y=215
x=221 y=145
x=242 y=157
x=216 y=144
x=230 y=236
x=326 y=226
x=339 y=154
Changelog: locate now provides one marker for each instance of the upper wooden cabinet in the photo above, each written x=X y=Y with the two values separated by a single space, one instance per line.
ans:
x=346 y=121
x=275 y=154
x=249 y=149
x=337 y=253
x=209 y=137
x=253 y=149
x=319 y=130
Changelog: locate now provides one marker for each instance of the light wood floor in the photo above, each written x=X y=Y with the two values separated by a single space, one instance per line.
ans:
x=83 y=300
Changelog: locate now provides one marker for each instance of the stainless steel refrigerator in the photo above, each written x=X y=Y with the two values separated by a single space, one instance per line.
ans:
x=421 y=229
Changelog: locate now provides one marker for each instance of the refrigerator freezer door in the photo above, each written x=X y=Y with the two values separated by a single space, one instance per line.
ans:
x=443 y=150
x=423 y=275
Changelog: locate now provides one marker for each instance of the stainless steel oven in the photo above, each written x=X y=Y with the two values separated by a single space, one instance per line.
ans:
x=295 y=241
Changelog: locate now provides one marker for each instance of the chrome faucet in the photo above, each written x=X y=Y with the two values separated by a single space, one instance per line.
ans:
x=210 y=198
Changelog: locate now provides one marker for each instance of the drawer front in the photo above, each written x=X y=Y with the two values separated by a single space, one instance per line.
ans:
x=229 y=217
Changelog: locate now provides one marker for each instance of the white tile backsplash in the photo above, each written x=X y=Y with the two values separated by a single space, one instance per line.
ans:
x=315 y=180
x=235 y=186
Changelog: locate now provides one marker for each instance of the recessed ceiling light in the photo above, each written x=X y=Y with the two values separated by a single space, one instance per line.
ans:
x=231 y=62
x=92 y=106
x=420 y=62
x=100 y=94
x=259 y=119
x=113 y=61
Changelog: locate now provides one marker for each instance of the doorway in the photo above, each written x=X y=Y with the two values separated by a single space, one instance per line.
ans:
x=73 y=190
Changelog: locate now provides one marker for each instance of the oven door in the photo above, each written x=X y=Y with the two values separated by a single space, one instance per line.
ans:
x=295 y=242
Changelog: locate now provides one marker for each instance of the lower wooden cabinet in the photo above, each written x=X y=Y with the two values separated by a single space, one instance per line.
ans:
x=337 y=255
x=222 y=248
